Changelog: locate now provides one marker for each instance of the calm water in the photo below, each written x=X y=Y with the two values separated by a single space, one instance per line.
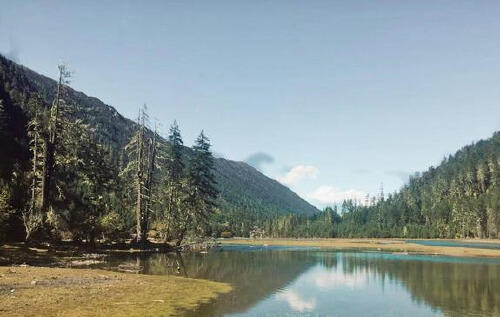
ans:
x=314 y=282
x=452 y=243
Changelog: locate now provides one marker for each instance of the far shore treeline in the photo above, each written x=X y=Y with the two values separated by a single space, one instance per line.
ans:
x=460 y=198
x=59 y=179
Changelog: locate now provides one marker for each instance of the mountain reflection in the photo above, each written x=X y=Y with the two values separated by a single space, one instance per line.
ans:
x=328 y=283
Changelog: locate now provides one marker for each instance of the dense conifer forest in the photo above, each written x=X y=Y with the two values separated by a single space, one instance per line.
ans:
x=72 y=167
x=460 y=198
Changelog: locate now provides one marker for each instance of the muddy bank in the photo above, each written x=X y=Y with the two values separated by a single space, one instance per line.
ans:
x=69 y=254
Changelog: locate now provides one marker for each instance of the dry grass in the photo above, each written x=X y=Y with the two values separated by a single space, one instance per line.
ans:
x=390 y=245
x=42 y=291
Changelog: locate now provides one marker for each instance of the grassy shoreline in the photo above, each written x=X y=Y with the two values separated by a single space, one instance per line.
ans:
x=54 y=291
x=43 y=291
x=41 y=281
x=388 y=245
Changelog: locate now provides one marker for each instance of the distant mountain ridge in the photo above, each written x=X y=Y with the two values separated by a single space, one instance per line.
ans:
x=244 y=190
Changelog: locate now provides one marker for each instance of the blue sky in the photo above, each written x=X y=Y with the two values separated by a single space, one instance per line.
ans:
x=335 y=97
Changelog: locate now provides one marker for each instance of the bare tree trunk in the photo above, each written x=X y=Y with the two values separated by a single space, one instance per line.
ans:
x=149 y=182
x=181 y=236
x=141 y=238
x=33 y=182
x=45 y=177
x=145 y=163
x=183 y=231
x=26 y=217
x=170 y=213
x=139 y=213
x=139 y=202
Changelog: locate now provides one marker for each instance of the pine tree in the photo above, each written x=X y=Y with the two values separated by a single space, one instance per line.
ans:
x=32 y=216
x=173 y=189
x=3 y=120
x=201 y=190
x=4 y=188
x=6 y=159
x=91 y=182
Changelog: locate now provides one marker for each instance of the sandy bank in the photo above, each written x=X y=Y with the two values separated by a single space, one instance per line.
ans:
x=389 y=245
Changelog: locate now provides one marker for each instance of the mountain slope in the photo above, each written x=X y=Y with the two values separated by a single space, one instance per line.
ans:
x=243 y=188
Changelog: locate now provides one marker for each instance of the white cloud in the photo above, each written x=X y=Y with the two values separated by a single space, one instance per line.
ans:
x=296 y=302
x=331 y=195
x=298 y=173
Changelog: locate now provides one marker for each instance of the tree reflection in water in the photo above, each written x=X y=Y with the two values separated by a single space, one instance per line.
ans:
x=296 y=282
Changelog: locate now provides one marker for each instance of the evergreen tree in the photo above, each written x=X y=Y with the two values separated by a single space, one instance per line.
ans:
x=3 y=120
x=4 y=189
x=173 y=187
x=201 y=190
x=5 y=160
x=93 y=183
x=31 y=215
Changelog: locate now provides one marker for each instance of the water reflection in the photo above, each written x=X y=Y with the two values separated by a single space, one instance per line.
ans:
x=284 y=282
x=296 y=301
x=453 y=243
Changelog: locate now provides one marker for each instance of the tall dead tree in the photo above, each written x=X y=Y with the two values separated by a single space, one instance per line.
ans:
x=51 y=140
x=148 y=185
x=142 y=164
x=35 y=135
x=140 y=139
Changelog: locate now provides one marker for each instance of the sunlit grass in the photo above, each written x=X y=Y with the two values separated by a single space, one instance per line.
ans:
x=390 y=245
x=38 y=291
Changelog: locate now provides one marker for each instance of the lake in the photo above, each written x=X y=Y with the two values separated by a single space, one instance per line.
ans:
x=453 y=243
x=290 y=281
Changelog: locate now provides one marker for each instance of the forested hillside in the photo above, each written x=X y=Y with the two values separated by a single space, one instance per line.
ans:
x=245 y=193
x=460 y=198
x=250 y=197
